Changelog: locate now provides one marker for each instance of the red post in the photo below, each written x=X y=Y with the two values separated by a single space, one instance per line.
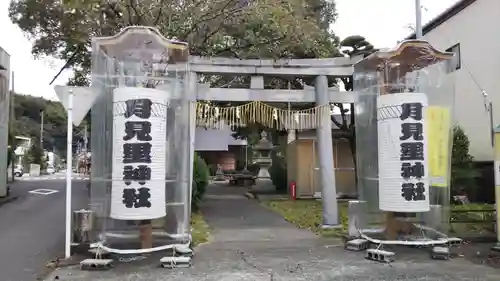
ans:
x=293 y=190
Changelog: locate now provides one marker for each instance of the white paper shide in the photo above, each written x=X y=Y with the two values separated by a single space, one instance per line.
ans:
x=138 y=177
x=402 y=153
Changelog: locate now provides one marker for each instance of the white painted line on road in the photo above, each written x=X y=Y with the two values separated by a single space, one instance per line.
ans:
x=51 y=178
x=44 y=191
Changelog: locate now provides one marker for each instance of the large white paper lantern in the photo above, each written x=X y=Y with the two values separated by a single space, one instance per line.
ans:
x=402 y=153
x=138 y=174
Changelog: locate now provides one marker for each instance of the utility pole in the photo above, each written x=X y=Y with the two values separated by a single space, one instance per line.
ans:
x=418 y=20
x=41 y=129
x=11 y=124
x=86 y=140
x=418 y=33
x=42 y=113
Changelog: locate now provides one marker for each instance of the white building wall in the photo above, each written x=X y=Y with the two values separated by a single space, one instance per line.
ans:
x=476 y=29
x=215 y=139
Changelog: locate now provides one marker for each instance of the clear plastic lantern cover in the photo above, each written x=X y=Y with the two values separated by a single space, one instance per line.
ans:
x=404 y=118
x=140 y=191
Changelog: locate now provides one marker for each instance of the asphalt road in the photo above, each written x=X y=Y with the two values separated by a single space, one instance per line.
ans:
x=32 y=227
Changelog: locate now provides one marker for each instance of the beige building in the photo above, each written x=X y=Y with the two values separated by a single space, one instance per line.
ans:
x=469 y=29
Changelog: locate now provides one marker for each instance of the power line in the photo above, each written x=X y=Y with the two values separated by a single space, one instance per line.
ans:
x=66 y=65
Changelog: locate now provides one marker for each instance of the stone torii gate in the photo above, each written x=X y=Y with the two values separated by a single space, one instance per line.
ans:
x=257 y=69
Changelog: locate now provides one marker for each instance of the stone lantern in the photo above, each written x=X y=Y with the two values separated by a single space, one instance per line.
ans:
x=263 y=159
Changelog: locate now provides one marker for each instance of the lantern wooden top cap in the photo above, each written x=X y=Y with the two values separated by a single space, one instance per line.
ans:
x=134 y=37
x=409 y=55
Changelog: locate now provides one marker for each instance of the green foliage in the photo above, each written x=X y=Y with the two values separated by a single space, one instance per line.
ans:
x=200 y=181
x=279 y=177
x=278 y=173
x=308 y=214
x=212 y=169
x=26 y=122
x=479 y=219
x=356 y=45
x=463 y=173
x=228 y=28
x=460 y=150
x=35 y=154
x=9 y=155
x=231 y=28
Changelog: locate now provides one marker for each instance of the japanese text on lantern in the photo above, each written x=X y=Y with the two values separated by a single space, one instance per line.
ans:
x=137 y=154
x=412 y=152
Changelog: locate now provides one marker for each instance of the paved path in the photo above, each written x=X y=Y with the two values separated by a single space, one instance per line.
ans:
x=251 y=243
x=234 y=218
x=32 y=227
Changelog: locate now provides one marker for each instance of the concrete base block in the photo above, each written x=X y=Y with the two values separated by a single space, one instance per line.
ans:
x=440 y=253
x=380 y=255
x=96 y=264
x=357 y=245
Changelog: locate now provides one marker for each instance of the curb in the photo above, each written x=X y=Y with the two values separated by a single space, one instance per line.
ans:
x=250 y=195
x=9 y=199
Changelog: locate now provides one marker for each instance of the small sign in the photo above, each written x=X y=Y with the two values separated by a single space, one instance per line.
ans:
x=83 y=99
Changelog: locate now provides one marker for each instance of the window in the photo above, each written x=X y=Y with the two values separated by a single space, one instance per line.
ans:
x=454 y=64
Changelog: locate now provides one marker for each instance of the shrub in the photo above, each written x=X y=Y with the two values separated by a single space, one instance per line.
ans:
x=463 y=173
x=200 y=181
x=278 y=173
x=9 y=156
x=212 y=169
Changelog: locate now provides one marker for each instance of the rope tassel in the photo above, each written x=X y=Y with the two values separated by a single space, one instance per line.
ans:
x=216 y=117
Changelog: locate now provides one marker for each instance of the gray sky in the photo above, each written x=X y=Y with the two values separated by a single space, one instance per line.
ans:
x=382 y=22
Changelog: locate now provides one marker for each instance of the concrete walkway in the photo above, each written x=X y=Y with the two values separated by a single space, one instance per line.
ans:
x=252 y=243
x=234 y=218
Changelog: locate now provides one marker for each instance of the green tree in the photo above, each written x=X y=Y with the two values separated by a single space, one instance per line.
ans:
x=26 y=122
x=463 y=173
x=232 y=28
x=35 y=154
x=229 y=28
